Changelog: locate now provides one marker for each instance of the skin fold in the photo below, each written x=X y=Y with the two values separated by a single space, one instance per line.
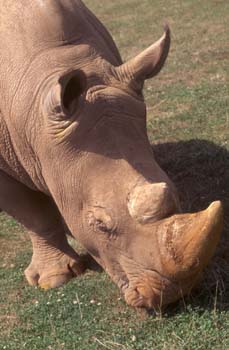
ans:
x=75 y=156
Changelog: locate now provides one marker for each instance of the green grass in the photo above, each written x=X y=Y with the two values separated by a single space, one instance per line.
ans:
x=188 y=120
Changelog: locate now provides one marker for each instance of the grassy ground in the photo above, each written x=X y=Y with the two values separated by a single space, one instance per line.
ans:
x=188 y=121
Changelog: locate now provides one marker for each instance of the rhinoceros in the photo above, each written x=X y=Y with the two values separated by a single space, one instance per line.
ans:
x=75 y=157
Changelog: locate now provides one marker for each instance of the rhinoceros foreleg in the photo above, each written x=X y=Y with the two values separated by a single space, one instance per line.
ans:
x=54 y=262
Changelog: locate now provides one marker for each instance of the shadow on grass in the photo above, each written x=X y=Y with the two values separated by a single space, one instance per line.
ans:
x=200 y=171
x=90 y=263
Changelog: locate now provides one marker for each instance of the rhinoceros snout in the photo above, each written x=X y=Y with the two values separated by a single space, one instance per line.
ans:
x=186 y=242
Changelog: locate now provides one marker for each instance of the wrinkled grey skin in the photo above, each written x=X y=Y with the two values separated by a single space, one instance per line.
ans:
x=74 y=153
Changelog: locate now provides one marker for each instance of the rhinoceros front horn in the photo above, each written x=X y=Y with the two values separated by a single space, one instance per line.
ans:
x=188 y=241
x=148 y=63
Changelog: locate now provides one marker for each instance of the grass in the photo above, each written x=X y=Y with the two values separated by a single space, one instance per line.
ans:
x=188 y=121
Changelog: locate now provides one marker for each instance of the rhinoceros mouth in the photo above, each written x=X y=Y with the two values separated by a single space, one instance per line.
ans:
x=149 y=288
x=146 y=290
x=154 y=291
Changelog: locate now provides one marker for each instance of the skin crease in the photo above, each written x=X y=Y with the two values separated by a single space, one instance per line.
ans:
x=74 y=153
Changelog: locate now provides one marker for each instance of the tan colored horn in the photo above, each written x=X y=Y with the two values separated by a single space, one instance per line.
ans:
x=149 y=62
x=152 y=202
x=188 y=241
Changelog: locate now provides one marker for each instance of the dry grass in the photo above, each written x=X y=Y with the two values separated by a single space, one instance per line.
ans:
x=13 y=239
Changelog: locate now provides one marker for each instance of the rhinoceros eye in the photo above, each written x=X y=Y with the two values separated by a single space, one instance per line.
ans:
x=101 y=221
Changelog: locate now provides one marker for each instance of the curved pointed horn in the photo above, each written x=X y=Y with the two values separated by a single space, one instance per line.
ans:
x=191 y=239
x=149 y=62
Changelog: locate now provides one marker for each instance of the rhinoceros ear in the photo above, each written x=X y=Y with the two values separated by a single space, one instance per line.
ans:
x=72 y=85
x=63 y=98
x=148 y=63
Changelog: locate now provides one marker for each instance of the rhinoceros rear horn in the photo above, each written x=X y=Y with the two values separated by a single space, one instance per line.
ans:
x=152 y=202
x=63 y=97
x=149 y=62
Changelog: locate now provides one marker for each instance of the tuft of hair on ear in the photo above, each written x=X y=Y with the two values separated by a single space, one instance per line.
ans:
x=73 y=84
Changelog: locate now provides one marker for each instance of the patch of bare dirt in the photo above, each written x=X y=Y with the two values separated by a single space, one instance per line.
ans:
x=11 y=246
x=8 y=322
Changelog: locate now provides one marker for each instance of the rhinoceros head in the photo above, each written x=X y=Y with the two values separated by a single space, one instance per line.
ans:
x=112 y=194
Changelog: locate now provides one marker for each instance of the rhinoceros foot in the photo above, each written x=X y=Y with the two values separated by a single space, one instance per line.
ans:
x=54 y=271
